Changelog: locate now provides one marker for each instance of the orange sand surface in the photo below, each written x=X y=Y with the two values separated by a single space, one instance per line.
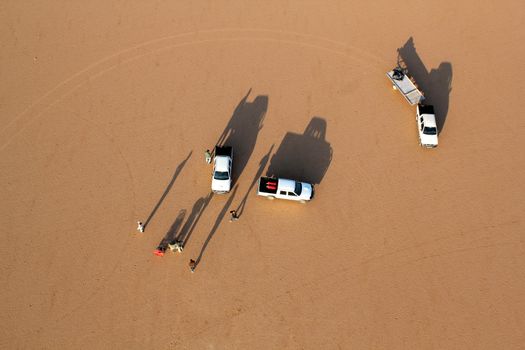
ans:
x=107 y=107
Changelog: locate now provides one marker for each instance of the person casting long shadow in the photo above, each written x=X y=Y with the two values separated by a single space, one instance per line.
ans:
x=198 y=209
x=436 y=84
x=262 y=165
x=169 y=237
x=218 y=221
x=167 y=190
x=242 y=130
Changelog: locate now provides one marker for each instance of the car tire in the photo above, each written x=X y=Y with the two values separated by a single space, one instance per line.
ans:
x=271 y=198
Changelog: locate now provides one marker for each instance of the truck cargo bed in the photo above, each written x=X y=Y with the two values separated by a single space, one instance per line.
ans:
x=407 y=88
x=223 y=151
x=268 y=185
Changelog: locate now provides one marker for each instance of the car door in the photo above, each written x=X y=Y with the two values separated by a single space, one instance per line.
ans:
x=281 y=194
x=292 y=196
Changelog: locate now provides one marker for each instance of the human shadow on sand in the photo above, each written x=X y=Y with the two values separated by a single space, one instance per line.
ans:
x=303 y=157
x=169 y=237
x=167 y=190
x=262 y=165
x=193 y=219
x=436 y=84
x=218 y=221
x=242 y=130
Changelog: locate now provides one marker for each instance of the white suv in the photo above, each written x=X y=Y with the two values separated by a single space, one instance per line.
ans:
x=426 y=126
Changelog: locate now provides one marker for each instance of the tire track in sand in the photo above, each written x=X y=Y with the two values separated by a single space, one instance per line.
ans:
x=69 y=85
x=97 y=69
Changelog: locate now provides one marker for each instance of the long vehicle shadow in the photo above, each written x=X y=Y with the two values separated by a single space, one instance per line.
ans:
x=436 y=84
x=198 y=209
x=242 y=130
x=167 y=190
x=218 y=221
x=262 y=165
x=303 y=157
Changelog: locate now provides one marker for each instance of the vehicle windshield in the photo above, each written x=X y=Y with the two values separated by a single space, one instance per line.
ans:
x=221 y=175
x=429 y=131
x=298 y=188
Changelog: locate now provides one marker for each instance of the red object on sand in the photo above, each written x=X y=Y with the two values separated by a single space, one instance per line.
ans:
x=158 y=252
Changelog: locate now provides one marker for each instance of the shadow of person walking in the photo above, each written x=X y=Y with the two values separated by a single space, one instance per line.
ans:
x=436 y=84
x=262 y=165
x=196 y=212
x=169 y=237
x=242 y=130
x=167 y=190
x=218 y=221
x=304 y=157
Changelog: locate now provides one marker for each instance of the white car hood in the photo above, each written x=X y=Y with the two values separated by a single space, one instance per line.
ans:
x=428 y=139
x=306 y=193
x=220 y=185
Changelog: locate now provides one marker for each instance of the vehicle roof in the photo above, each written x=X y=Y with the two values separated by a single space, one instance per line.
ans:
x=287 y=185
x=429 y=120
x=221 y=163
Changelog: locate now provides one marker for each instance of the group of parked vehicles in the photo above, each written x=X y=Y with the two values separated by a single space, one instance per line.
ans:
x=425 y=117
x=273 y=187
x=270 y=187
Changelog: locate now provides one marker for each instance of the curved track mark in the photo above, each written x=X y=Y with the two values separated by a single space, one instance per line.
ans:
x=71 y=84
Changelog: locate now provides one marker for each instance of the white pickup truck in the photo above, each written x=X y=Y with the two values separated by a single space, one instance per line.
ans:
x=221 y=180
x=426 y=126
x=285 y=189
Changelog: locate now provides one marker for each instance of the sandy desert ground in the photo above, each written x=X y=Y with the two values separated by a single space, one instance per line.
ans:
x=107 y=106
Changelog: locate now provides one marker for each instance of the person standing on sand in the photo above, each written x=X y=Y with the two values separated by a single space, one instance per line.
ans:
x=192 y=265
x=234 y=216
x=140 y=226
x=207 y=156
x=176 y=246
